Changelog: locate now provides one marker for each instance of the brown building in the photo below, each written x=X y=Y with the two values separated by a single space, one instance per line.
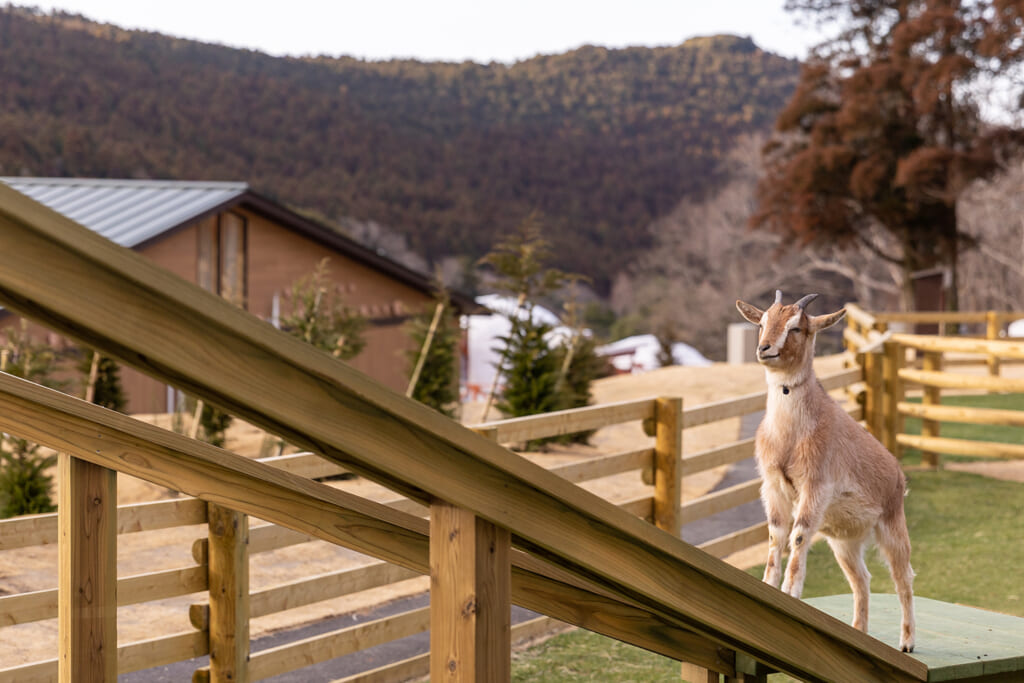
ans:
x=229 y=239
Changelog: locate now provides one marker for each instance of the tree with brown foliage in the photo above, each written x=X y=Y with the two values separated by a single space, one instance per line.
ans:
x=885 y=129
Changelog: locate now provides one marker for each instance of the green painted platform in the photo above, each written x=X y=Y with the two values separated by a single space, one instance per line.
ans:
x=956 y=642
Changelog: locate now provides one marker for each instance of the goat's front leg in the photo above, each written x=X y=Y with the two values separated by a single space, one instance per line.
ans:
x=810 y=510
x=779 y=511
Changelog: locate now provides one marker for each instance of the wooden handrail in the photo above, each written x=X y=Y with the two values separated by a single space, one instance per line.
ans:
x=115 y=301
x=147 y=452
x=1000 y=348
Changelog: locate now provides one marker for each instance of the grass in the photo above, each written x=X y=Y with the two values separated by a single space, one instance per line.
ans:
x=966 y=531
x=955 y=430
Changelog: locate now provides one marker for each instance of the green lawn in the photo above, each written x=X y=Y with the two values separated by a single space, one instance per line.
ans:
x=967 y=533
x=972 y=432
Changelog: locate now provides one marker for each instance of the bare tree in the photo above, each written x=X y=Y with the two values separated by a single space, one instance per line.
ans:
x=993 y=215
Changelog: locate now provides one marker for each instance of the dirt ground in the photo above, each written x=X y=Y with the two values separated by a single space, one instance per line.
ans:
x=29 y=569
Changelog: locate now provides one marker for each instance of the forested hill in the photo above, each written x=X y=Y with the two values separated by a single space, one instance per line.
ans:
x=597 y=142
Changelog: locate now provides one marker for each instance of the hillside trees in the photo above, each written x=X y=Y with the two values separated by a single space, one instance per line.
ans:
x=599 y=142
x=434 y=357
x=885 y=130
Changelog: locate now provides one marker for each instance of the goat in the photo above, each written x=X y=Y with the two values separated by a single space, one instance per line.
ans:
x=821 y=471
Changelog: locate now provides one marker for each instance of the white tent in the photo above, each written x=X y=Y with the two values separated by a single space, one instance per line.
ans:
x=639 y=353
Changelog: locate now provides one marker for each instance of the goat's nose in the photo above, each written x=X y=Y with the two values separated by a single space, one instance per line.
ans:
x=763 y=347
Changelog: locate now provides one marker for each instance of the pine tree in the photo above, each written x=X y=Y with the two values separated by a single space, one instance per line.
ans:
x=437 y=384
x=107 y=391
x=25 y=486
x=532 y=369
x=320 y=317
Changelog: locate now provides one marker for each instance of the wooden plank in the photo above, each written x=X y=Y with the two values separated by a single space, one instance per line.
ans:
x=229 y=594
x=305 y=465
x=30 y=530
x=715 y=457
x=957 y=642
x=470 y=627
x=932 y=396
x=716 y=502
x=1000 y=348
x=947 y=413
x=724 y=546
x=641 y=506
x=296 y=655
x=87 y=576
x=860 y=316
x=21 y=608
x=325 y=587
x=146 y=654
x=952 y=380
x=117 y=302
x=36 y=672
x=162 y=457
x=932 y=317
x=563 y=422
x=668 y=475
x=605 y=465
x=984 y=449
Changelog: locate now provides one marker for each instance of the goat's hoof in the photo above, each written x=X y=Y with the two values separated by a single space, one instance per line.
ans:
x=906 y=647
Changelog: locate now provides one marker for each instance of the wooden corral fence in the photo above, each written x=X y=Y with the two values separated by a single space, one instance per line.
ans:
x=662 y=464
x=501 y=528
x=897 y=363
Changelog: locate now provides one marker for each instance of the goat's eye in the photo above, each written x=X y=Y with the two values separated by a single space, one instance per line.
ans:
x=796 y=329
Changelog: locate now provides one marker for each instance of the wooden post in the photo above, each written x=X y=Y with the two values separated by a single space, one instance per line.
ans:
x=992 y=329
x=470 y=598
x=932 y=396
x=668 y=457
x=893 y=395
x=87 y=576
x=229 y=594
x=693 y=673
x=427 y=342
x=871 y=366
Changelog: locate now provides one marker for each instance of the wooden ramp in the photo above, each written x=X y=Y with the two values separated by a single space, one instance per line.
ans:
x=956 y=642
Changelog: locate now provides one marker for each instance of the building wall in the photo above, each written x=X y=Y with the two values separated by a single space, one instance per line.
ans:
x=275 y=258
x=279 y=257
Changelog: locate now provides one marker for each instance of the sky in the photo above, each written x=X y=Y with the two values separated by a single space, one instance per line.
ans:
x=449 y=30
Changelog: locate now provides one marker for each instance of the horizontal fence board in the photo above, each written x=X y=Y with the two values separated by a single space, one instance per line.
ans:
x=860 y=316
x=269 y=537
x=415 y=667
x=952 y=380
x=284 y=658
x=21 y=608
x=642 y=507
x=146 y=654
x=982 y=416
x=724 y=546
x=606 y=465
x=1000 y=348
x=325 y=587
x=36 y=672
x=933 y=317
x=568 y=421
x=715 y=457
x=983 y=449
x=713 y=503
x=20 y=532
x=408 y=506
x=308 y=465
x=135 y=656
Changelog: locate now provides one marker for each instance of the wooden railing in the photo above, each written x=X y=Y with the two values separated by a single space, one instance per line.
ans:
x=500 y=529
x=895 y=362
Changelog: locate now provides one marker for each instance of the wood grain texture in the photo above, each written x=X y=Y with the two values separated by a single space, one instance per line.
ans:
x=229 y=594
x=470 y=622
x=668 y=455
x=113 y=300
x=87 y=575
x=160 y=456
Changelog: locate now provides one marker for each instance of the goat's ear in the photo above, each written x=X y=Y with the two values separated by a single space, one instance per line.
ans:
x=822 y=322
x=751 y=313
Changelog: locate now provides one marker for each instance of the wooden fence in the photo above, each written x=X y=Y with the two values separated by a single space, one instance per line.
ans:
x=501 y=529
x=896 y=363
x=661 y=464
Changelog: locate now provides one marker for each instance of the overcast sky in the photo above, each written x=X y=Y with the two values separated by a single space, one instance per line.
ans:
x=450 y=30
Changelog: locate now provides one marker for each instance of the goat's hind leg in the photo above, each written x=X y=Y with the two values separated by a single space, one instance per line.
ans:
x=894 y=542
x=849 y=554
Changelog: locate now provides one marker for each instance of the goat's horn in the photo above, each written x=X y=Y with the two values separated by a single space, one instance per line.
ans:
x=802 y=304
x=778 y=296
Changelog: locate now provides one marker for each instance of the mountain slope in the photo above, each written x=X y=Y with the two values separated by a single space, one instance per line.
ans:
x=598 y=142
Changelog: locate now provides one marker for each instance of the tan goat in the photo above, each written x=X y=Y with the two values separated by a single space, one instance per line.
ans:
x=821 y=471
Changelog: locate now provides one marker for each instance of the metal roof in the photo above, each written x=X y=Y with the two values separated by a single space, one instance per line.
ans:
x=128 y=212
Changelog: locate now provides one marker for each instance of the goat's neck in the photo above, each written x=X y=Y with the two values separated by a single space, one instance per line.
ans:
x=783 y=382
